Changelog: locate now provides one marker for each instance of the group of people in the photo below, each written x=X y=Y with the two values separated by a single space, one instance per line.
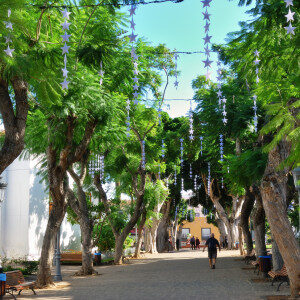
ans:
x=195 y=243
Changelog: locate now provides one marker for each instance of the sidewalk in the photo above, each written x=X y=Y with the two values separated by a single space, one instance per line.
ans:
x=180 y=275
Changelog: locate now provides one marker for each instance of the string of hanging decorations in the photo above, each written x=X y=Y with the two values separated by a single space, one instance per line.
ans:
x=256 y=63
x=8 y=39
x=289 y=18
x=207 y=38
x=65 y=49
x=176 y=83
x=124 y=3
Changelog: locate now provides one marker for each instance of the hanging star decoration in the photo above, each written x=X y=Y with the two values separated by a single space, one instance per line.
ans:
x=143 y=156
x=191 y=122
x=101 y=73
x=65 y=49
x=289 y=18
x=175 y=176
x=256 y=63
x=208 y=179
x=181 y=154
x=134 y=56
x=8 y=25
x=176 y=56
x=207 y=39
x=201 y=144
x=221 y=148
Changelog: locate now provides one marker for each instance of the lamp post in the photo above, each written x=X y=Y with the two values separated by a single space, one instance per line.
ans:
x=57 y=276
x=296 y=176
x=56 y=258
x=2 y=276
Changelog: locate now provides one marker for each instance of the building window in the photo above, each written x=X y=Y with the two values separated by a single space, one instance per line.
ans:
x=205 y=233
x=185 y=233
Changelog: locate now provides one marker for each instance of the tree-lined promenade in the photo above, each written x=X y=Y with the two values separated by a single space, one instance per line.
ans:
x=240 y=169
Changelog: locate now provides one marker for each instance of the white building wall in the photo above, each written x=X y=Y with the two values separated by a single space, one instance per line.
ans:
x=24 y=214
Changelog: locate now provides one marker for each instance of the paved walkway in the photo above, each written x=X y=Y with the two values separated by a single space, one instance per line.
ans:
x=183 y=275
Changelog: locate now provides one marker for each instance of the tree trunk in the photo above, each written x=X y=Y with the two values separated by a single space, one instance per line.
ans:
x=276 y=257
x=162 y=238
x=14 y=116
x=241 y=240
x=86 y=228
x=245 y=214
x=80 y=207
x=274 y=195
x=222 y=229
x=56 y=217
x=259 y=225
x=137 y=253
x=119 y=249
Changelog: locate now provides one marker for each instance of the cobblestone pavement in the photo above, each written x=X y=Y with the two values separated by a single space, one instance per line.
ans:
x=180 y=275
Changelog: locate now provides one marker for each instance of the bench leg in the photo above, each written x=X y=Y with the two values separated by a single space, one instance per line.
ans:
x=33 y=291
x=273 y=280
x=279 y=285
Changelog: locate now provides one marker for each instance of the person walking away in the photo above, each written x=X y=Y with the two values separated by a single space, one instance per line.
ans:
x=197 y=243
x=212 y=244
x=192 y=242
x=177 y=244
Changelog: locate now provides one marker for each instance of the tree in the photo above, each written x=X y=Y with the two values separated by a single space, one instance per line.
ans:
x=27 y=72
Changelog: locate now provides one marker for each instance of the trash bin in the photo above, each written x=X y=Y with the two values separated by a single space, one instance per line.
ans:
x=98 y=258
x=265 y=264
x=2 y=283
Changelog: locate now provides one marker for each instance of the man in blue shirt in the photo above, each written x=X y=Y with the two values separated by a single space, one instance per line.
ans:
x=212 y=244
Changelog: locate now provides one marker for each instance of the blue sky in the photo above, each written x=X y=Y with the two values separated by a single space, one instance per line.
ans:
x=180 y=26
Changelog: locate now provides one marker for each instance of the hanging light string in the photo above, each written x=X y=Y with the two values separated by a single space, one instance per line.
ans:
x=101 y=73
x=101 y=166
x=289 y=18
x=201 y=145
x=176 y=56
x=175 y=176
x=65 y=49
x=222 y=154
x=134 y=56
x=208 y=179
x=143 y=155
x=191 y=172
x=191 y=121
x=256 y=63
x=207 y=38
x=219 y=78
x=8 y=39
x=195 y=183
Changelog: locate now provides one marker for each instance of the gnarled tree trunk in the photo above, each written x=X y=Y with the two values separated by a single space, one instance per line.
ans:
x=137 y=253
x=245 y=214
x=162 y=230
x=14 y=116
x=259 y=224
x=274 y=195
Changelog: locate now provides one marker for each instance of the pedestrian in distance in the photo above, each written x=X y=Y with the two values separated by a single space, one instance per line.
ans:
x=197 y=243
x=193 y=243
x=212 y=244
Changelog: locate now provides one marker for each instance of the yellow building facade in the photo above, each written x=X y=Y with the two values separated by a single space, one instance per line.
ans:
x=198 y=228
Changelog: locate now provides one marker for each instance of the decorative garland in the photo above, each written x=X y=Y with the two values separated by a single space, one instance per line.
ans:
x=176 y=56
x=175 y=176
x=8 y=40
x=256 y=63
x=143 y=156
x=208 y=179
x=289 y=18
x=181 y=154
x=134 y=56
x=201 y=145
x=191 y=122
x=65 y=49
x=206 y=17
x=101 y=73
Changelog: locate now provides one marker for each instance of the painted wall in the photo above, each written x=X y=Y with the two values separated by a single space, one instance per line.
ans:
x=24 y=213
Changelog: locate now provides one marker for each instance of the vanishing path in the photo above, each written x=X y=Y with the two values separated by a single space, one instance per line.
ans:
x=183 y=275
